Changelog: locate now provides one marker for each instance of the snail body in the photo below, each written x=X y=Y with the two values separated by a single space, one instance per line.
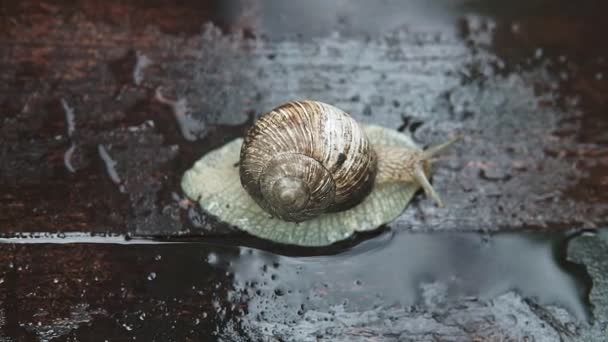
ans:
x=307 y=174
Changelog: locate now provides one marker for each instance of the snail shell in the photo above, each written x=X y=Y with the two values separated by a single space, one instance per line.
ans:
x=311 y=163
x=305 y=158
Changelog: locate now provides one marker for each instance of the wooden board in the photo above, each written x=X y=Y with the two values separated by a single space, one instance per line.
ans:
x=532 y=109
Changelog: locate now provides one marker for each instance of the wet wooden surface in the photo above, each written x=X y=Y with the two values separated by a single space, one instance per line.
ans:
x=93 y=138
x=525 y=87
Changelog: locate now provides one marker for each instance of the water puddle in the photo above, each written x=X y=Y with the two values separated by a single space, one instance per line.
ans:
x=406 y=268
x=391 y=270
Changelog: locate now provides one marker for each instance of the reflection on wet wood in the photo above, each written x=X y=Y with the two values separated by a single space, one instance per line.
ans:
x=113 y=292
x=212 y=292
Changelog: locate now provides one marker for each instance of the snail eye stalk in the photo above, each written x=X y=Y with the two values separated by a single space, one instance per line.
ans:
x=429 y=155
x=421 y=179
x=436 y=149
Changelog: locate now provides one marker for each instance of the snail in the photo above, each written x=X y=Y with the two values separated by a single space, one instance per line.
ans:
x=308 y=174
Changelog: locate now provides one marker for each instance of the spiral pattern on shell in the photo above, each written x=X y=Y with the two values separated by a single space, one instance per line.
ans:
x=305 y=158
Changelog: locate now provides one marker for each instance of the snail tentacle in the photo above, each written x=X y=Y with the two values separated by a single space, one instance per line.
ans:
x=402 y=164
x=427 y=157
x=420 y=177
x=436 y=149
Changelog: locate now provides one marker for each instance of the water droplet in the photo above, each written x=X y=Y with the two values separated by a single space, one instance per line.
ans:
x=212 y=258
x=511 y=320
x=589 y=233
x=376 y=100
x=55 y=281
x=142 y=316
x=197 y=321
x=151 y=276
x=515 y=28
x=158 y=257
x=142 y=62
x=191 y=127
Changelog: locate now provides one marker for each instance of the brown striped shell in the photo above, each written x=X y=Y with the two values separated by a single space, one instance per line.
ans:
x=305 y=158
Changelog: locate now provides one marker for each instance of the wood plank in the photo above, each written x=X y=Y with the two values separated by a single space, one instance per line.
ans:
x=534 y=153
x=198 y=291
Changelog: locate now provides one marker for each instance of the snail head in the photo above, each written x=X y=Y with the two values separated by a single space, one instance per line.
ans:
x=405 y=165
